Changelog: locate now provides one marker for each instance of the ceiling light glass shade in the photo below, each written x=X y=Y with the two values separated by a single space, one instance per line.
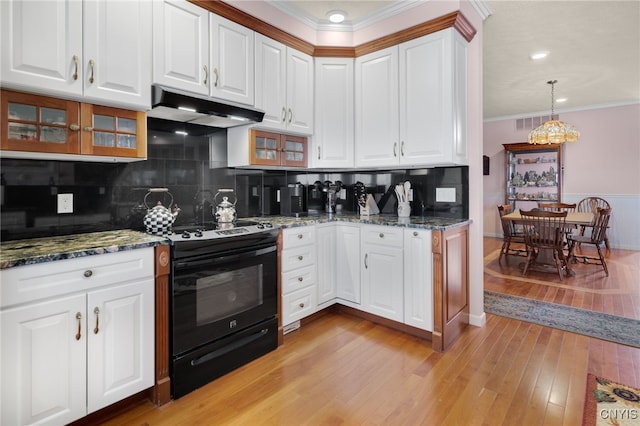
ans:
x=336 y=16
x=553 y=132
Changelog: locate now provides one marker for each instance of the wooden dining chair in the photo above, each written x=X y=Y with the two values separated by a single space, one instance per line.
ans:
x=511 y=234
x=597 y=237
x=557 y=207
x=544 y=233
x=592 y=204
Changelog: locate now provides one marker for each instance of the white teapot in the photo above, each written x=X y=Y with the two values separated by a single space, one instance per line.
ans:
x=226 y=210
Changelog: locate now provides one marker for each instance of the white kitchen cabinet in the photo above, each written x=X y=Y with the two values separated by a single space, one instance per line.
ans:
x=181 y=46
x=347 y=252
x=231 y=60
x=326 y=260
x=284 y=86
x=78 y=341
x=298 y=273
x=99 y=50
x=333 y=140
x=376 y=109
x=418 y=279
x=411 y=103
x=382 y=272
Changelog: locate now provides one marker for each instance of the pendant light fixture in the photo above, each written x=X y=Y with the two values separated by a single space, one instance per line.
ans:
x=553 y=131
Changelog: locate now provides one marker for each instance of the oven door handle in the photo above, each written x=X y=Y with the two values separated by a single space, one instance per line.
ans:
x=229 y=348
x=208 y=260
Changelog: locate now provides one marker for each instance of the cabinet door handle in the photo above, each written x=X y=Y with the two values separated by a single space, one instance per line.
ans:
x=366 y=257
x=318 y=153
x=290 y=115
x=96 y=311
x=395 y=148
x=284 y=114
x=91 y=68
x=215 y=72
x=206 y=74
x=79 y=333
x=75 y=63
x=402 y=148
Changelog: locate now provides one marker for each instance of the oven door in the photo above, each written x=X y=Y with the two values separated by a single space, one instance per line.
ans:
x=214 y=296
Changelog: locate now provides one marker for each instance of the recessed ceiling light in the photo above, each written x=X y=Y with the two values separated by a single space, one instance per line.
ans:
x=336 y=16
x=538 y=55
x=560 y=100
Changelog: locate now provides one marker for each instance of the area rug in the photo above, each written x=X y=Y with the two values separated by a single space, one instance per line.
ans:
x=608 y=327
x=609 y=403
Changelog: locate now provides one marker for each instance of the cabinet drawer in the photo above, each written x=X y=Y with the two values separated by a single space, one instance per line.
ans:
x=298 y=257
x=296 y=237
x=386 y=235
x=298 y=278
x=298 y=304
x=28 y=283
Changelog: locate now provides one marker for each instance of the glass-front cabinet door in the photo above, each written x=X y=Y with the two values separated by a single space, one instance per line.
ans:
x=39 y=124
x=113 y=132
x=265 y=148
x=294 y=151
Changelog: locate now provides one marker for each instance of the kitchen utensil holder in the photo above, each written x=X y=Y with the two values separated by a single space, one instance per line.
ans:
x=404 y=209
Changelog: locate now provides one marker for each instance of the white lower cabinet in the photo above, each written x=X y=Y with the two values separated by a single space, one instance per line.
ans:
x=298 y=273
x=326 y=260
x=382 y=276
x=83 y=342
x=347 y=253
x=418 y=279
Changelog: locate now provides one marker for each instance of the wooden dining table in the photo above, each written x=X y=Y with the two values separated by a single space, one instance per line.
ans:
x=574 y=219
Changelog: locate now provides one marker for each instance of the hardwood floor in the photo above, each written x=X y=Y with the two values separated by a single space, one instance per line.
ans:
x=342 y=370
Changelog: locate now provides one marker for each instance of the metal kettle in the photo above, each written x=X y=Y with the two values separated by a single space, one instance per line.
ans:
x=159 y=219
x=225 y=210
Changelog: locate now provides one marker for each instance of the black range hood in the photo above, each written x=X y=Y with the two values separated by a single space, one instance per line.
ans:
x=186 y=107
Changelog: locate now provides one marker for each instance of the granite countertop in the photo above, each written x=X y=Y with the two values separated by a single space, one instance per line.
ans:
x=437 y=223
x=41 y=250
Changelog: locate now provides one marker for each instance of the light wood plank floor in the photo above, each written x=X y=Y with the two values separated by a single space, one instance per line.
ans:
x=341 y=370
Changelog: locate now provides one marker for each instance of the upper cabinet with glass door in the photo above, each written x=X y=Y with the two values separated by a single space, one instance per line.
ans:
x=94 y=50
x=43 y=125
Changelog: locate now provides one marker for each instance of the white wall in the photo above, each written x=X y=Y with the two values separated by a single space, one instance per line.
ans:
x=604 y=162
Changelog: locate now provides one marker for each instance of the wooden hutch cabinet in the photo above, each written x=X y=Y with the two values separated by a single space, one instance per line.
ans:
x=40 y=124
x=533 y=174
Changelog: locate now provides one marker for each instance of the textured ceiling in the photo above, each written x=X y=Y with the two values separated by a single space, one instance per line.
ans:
x=594 y=49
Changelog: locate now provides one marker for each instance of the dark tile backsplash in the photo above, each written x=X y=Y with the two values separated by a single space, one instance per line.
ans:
x=111 y=196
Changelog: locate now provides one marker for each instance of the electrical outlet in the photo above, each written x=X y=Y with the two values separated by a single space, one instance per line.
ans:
x=65 y=203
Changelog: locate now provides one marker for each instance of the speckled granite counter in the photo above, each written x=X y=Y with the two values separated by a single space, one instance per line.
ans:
x=438 y=223
x=40 y=250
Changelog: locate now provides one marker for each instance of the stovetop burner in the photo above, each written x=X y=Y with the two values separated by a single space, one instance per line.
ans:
x=213 y=230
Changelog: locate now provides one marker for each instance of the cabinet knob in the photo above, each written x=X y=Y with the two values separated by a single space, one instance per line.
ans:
x=74 y=127
x=300 y=279
x=300 y=257
x=381 y=235
x=88 y=273
x=88 y=129
x=299 y=236
x=415 y=233
x=301 y=305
